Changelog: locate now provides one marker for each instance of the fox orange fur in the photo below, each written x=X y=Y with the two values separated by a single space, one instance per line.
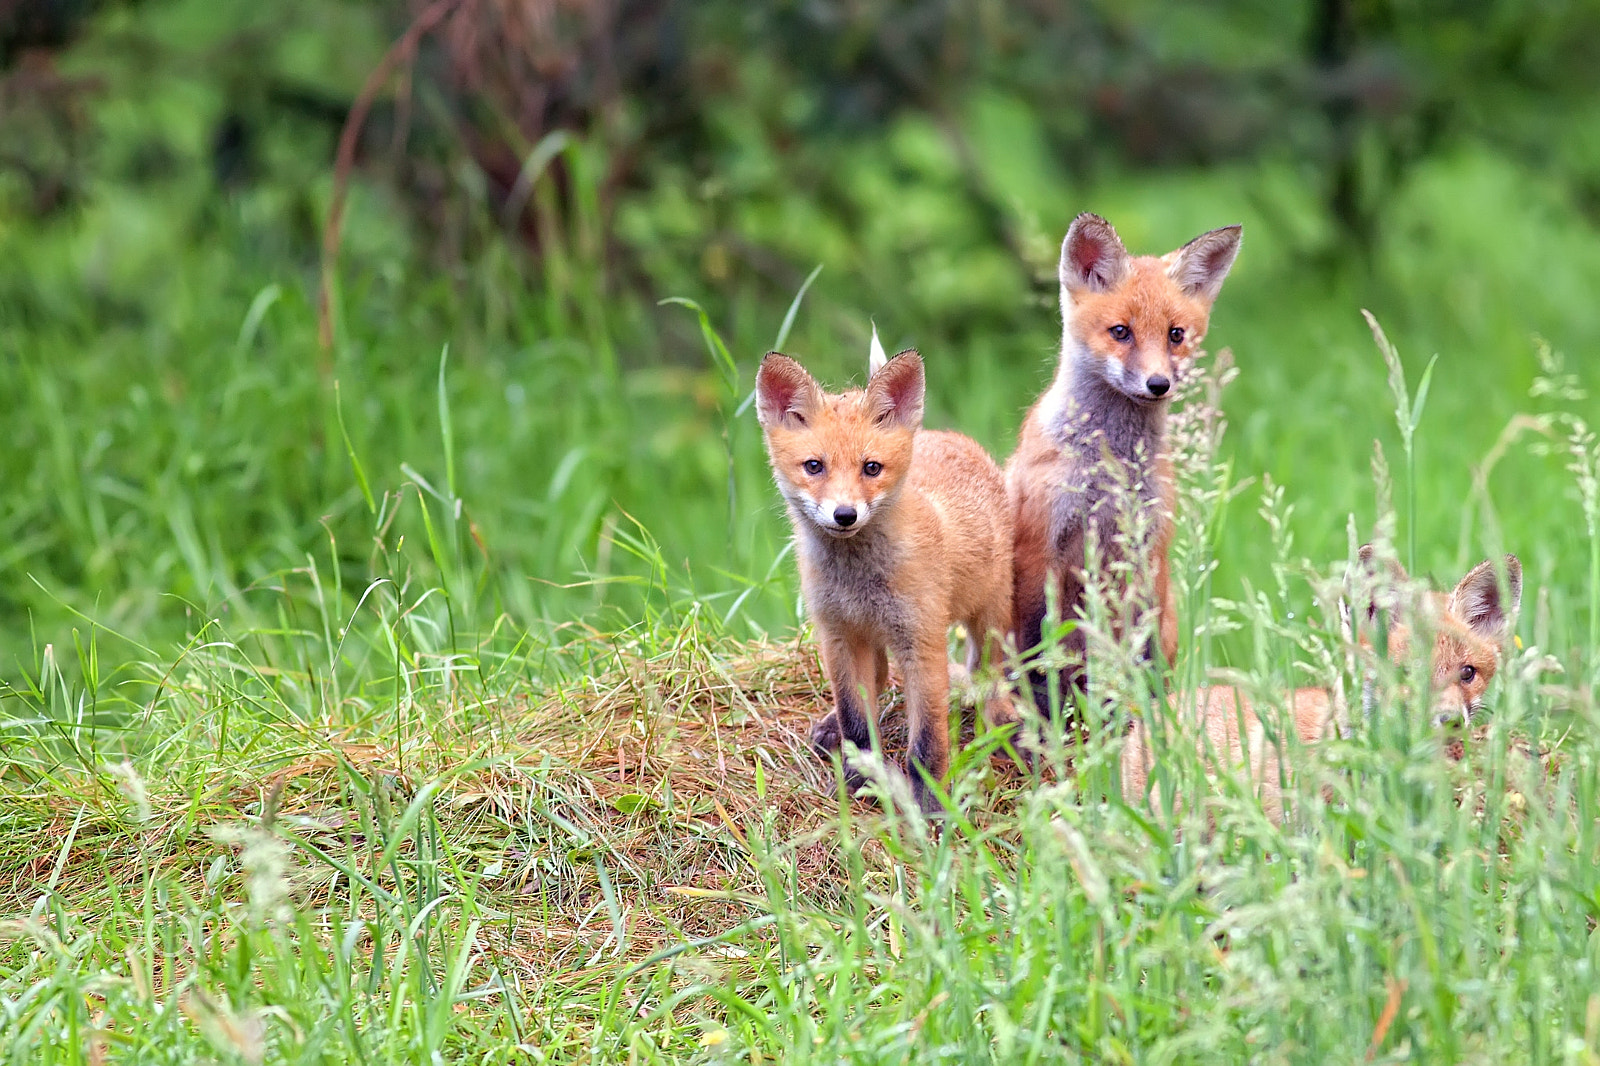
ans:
x=1471 y=627
x=899 y=532
x=1129 y=324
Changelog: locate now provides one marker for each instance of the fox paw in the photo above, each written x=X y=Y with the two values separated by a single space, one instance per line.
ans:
x=1001 y=712
x=826 y=736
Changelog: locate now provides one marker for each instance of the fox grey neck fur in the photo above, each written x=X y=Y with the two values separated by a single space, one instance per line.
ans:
x=851 y=580
x=1109 y=445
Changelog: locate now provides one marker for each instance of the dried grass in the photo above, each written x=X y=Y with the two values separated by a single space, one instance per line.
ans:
x=651 y=778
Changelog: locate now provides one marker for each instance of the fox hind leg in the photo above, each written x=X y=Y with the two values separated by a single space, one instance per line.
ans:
x=1167 y=629
x=995 y=697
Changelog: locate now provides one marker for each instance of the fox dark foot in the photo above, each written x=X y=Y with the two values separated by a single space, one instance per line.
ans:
x=927 y=801
x=827 y=738
x=1001 y=712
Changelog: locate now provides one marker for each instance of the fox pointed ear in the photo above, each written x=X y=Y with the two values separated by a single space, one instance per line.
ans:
x=1201 y=266
x=894 y=395
x=1092 y=256
x=785 y=393
x=1382 y=586
x=1478 y=602
x=1367 y=556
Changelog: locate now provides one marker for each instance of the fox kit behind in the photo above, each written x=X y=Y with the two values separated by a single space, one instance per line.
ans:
x=1471 y=628
x=1129 y=324
x=899 y=533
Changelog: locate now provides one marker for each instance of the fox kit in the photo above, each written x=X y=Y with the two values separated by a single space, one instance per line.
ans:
x=1129 y=323
x=1472 y=625
x=899 y=532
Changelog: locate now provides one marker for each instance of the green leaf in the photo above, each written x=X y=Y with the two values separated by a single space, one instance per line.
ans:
x=719 y=351
x=794 y=309
x=1422 y=394
x=633 y=802
x=258 y=311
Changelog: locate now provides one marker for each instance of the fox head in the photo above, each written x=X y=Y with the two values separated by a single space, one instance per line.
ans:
x=840 y=458
x=1471 y=627
x=1134 y=320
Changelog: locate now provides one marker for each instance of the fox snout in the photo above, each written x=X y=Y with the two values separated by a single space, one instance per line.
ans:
x=1455 y=707
x=1447 y=716
x=840 y=518
x=840 y=506
x=1146 y=381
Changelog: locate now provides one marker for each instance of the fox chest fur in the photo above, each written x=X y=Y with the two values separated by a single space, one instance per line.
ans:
x=1109 y=465
x=850 y=583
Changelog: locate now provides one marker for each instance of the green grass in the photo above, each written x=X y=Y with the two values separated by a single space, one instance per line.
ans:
x=382 y=819
x=341 y=839
x=442 y=697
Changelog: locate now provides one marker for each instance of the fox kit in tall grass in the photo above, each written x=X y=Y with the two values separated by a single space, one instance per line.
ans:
x=1471 y=627
x=900 y=532
x=1129 y=324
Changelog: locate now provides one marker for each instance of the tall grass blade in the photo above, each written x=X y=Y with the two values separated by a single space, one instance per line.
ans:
x=794 y=309
x=350 y=451
x=446 y=429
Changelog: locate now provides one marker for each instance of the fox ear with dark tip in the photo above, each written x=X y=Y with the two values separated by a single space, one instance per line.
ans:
x=1368 y=559
x=1201 y=266
x=1367 y=556
x=896 y=391
x=1092 y=256
x=1478 y=602
x=1382 y=587
x=785 y=394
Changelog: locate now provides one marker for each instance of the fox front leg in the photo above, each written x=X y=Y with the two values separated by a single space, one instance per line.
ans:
x=854 y=672
x=928 y=715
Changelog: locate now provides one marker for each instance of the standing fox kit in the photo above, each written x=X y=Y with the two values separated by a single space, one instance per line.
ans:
x=1128 y=324
x=1471 y=627
x=899 y=533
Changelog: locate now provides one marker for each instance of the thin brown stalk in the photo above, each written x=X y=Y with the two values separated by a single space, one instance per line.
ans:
x=400 y=54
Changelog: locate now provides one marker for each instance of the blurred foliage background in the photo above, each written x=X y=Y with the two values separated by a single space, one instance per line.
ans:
x=532 y=177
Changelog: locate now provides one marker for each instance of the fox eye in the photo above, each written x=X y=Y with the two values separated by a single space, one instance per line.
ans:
x=1120 y=332
x=872 y=468
x=1175 y=334
x=1468 y=672
x=813 y=466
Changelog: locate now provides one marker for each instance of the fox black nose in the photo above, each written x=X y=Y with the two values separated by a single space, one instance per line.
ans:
x=845 y=516
x=1157 y=384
